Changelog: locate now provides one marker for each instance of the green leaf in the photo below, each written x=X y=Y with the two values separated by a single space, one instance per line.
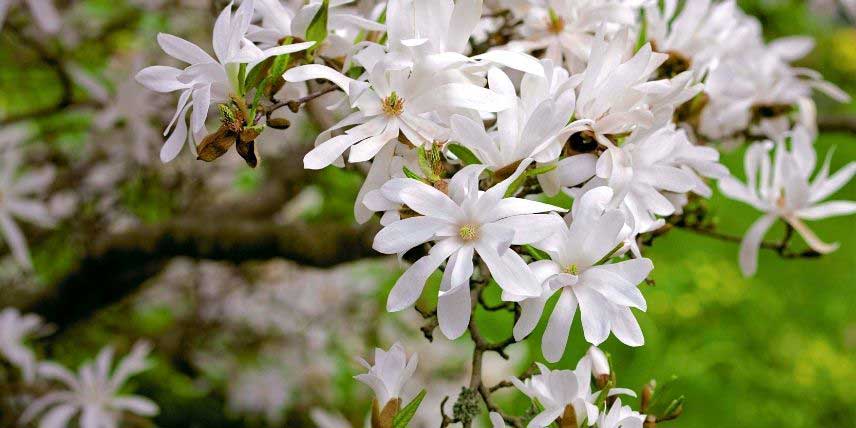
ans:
x=464 y=154
x=540 y=170
x=317 y=31
x=242 y=76
x=518 y=182
x=403 y=417
x=535 y=253
x=258 y=74
x=410 y=174
x=643 y=31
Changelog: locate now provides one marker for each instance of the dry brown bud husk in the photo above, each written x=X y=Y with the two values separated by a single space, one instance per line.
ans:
x=568 y=418
x=383 y=418
x=215 y=145
x=247 y=150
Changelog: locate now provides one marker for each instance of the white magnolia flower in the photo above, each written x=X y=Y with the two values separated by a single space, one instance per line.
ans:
x=566 y=29
x=93 y=394
x=526 y=130
x=783 y=188
x=463 y=222
x=207 y=80
x=436 y=34
x=389 y=374
x=758 y=80
x=17 y=195
x=14 y=330
x=604 y=293
x=43 y=11
x=620 y=416
x=394 y=102
x=294 y=17
x=557 y=389
x=701 y=32
x=659 y=161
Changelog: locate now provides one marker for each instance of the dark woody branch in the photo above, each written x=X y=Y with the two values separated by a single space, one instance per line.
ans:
x=121 y=263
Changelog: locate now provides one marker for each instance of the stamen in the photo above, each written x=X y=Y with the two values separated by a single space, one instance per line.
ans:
x=469 y=232
x=392 y=105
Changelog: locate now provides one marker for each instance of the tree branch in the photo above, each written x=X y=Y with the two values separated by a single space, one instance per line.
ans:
x=119 y=264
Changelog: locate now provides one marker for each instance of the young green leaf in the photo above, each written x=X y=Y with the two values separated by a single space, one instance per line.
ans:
x=536 y=253
x=317 y=31
x=403 y=417
x=464 y=154
x=410 y=174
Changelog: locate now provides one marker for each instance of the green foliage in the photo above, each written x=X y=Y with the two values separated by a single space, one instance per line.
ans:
x=317 y=31
x=464 y=154
x=403 y=417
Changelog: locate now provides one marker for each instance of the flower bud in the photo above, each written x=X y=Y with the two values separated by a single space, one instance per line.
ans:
x=279 y=123
x=599 y=365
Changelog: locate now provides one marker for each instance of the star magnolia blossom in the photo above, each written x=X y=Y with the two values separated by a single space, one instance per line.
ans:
x=557 y=389
x=14 y=330
x=17 y=195
x=207 y=80
x=782 y=188
x=463 y=222
x=660 y=161
x=566 y=28
x=389 y=374
x=700 y=33
x=293 y=19
x=526 y=130
x=394 y=102
x=620 y=416
x=93 y=393
x=604 y=293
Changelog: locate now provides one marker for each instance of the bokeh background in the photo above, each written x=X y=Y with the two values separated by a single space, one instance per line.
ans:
x=257 y=287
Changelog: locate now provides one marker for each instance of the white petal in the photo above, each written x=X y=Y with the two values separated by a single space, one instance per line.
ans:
x=135 y=404
x=401 y=236
x=317 y=71
x=516 y=60
x=408 y=288
x=453 y=312
x=545 y=418
x=463 y=22
x=327 y=152
x=183 y=50
x=509 y=270
x=626 y=328
x=827 y=209
x=58 y=417
x=752 y=243
x=160 y=78
x=530 y=313
x=176 y=140
x=464 y=96
x=15 y=240
x=810 y=238
x=559 y=326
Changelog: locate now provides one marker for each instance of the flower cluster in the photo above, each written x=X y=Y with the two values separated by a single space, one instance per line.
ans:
x=93 y=396
x=466 y=123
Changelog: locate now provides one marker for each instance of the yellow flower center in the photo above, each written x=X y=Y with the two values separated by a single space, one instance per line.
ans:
x=571 y=269
x=392 y=105
x=555 y=24
x=468 y=232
